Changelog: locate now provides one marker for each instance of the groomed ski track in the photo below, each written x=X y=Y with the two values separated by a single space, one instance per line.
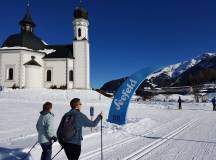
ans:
x=149 y=144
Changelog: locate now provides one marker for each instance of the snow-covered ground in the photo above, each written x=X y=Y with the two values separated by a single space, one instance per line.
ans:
x=156 y=130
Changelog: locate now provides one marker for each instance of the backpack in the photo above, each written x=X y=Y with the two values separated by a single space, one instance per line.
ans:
x=66 y=129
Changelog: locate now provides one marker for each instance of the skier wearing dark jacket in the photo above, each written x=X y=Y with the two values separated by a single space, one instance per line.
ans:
x=72 y=146
x=46 y=133
x=180 y=102
x=214 y=103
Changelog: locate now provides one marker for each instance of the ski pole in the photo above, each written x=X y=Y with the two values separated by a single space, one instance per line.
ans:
x=29 y=151
x=57 y=153
x=101 y=139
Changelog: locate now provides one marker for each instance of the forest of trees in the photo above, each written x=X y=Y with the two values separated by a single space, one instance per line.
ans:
x=202 y=77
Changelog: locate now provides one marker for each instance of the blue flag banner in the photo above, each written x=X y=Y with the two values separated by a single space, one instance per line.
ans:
x=121 y=100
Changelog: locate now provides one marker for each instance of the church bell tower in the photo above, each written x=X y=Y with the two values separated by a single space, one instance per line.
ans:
x=27 y=24
x=81 y=49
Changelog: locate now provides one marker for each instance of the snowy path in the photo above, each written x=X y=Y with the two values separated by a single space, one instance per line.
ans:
x=137 y=146
x=196 y=143
x=157 y=143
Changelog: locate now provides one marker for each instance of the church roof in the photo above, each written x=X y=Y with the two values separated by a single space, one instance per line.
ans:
x=27 y=38
x=27 y=19
x=32 y=62
x=24 y=39
x=81 y=12
x=61 y=51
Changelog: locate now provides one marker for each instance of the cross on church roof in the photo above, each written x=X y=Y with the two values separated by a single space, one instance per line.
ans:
x=28 y=3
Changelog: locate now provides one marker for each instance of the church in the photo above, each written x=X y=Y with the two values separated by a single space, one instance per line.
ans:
x=26 y=61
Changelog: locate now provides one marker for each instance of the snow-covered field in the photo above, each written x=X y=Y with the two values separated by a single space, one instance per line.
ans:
x=155 y=130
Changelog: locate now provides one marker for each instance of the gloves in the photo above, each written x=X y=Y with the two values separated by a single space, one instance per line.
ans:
x=54 y=138
x=101 y=115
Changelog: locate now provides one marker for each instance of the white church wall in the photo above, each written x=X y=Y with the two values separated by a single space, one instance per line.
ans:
x=33 y=76
x=70 y=67
x=81 y=24
x=58 y=70
x=81 y=65
x=15 y=58
x=26 y=56
x=10 y=59
x=1 y=80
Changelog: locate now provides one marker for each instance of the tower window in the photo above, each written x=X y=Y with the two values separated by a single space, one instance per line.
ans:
x=49 y=76
x=79 y=32
x=10 y=74
x=28 y=28
x=71 y=75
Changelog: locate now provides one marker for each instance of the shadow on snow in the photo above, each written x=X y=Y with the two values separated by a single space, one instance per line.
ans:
x=13 y=154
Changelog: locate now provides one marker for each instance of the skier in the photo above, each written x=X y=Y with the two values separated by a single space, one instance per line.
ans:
x=214 y=103
x=180 y=101
x=45 y=129
x=72 y=145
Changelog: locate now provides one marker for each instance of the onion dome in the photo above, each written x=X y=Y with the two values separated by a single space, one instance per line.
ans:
x=80 y=12
x=27 y=24
x=26 y=37
x=27 y=19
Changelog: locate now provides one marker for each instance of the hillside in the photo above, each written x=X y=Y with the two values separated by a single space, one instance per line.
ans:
x=199 y=70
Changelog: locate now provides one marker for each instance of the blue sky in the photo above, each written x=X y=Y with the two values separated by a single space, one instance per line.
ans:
x=125 y=35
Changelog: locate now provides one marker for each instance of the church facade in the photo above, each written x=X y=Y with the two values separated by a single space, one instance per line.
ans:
x=26 y=61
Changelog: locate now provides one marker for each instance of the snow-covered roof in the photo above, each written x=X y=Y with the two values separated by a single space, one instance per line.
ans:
x=47 y=51
x=15 y=47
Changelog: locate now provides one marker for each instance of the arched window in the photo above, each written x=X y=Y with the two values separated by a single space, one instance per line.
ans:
x=70 y=75
x=49 y=76
x=10 y=74
x=79 y=32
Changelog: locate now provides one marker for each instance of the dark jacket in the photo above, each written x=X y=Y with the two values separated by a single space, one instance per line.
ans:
x=213 y=101
x=81 y=120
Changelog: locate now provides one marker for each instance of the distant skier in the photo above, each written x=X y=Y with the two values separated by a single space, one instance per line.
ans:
x=214 y=103
x=70 y=129
x=180 y=102
x=46 y=133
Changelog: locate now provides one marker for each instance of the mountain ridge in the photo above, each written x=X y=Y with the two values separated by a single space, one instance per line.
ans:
x=175 y=74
